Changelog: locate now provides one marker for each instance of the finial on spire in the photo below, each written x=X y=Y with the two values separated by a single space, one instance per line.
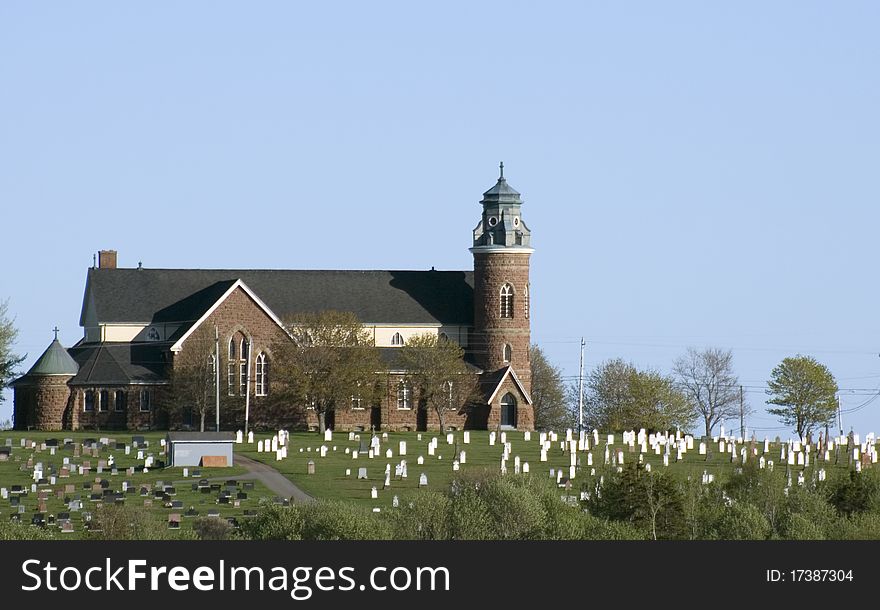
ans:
x=501 y=167
x=55 y=330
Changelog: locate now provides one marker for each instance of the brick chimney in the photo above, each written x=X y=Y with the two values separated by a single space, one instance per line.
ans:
x=107 y=259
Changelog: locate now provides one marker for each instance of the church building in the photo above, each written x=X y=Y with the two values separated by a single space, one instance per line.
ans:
x=136 y=323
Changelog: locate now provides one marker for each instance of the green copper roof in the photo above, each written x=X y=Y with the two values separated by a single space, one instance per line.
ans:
x=55 y=361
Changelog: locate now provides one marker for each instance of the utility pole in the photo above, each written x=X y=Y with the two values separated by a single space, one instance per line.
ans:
x=581 y=390
x=247 y=392
x=742 y=415
x=839 y=416
x=217 y=376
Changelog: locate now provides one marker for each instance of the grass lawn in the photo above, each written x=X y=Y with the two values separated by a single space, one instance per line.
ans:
x=331 y=481
x=13 y=471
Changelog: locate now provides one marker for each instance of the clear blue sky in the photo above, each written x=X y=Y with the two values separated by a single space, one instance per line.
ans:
x=693 y=173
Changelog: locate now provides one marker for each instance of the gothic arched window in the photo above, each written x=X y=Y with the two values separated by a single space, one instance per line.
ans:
x=243 y=367
x=507 y=301
x=261 y=375
x=507 y=353
x=230 y=368
x=89 y=401
x=397 y=339
x=404 y=395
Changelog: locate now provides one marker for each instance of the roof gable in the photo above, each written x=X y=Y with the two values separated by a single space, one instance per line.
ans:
x=178 y=345
x=504 y=374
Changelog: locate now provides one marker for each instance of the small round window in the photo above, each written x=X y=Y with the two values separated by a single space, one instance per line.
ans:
x=516 y=221
x=493 y=221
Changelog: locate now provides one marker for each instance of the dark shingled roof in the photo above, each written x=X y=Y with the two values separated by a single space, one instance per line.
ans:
x=119 y=363
x=166 y=295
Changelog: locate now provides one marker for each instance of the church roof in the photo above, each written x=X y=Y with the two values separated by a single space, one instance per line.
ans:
x=119 y=363
x=174 y=295
x=54 y=361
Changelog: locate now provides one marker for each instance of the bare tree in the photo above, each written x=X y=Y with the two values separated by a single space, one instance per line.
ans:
x=193 y=377
x=9 y=361
x=436 y=367
x=707 y=379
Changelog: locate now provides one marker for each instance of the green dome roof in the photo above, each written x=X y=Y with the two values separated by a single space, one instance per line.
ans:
x=55 y=361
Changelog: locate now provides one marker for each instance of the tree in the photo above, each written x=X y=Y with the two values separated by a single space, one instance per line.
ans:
x=548 y=393
x=804 y=391
x=193 y=375
x=436 y=367
x=619 y=396
x=708 y=381
x=9 y=361
x=331 y=362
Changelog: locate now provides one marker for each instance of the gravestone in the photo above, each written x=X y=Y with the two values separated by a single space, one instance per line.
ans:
x=362 y=473
x=423 y=480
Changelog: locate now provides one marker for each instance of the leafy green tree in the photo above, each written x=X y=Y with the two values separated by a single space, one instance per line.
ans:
x=804 y=391
x=331 y=361
x=436 y=367
x=548 y=393
x=619 y=396
x=707 y=379
x=9 y=361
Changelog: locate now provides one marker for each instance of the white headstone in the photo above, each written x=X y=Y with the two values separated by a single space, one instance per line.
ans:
x=450 y=438
x=328 y=435
x=374 y=493
x=492 y=439
x=420 y=460
x=259 y=449
x=389 y=454
x=401 y=448
x=239 y=437
x=467 y=437
x=462 y=457
x=423 y=480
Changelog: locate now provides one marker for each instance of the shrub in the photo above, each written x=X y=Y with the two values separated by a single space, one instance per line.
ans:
x=273 y=522
x=213 y=528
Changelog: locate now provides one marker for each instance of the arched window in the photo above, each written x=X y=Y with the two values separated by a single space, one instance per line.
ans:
x=526 y=301
x=120 y=401
x=507 y=301
x=404 y=395
x=242 y=367
x=104 y=400
x=230 y=369
x=89 y=401
x=261 y=375
x=507 y=352
x=146 y=402
x=356 y=401
x=443 y=337
x=397 y=339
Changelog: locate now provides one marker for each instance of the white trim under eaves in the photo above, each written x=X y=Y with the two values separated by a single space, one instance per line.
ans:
x=516 y=380
x=178 y=345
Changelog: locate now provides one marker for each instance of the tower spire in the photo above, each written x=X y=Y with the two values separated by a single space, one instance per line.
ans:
x=501 y=167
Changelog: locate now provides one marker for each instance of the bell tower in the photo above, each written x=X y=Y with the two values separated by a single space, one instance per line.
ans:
x=502 y=247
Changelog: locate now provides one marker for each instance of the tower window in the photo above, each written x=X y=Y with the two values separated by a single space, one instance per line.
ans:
x=507 y=301
x=526 y=302
x=507 y=352
x=397 y=339
x=404 y=395
x=261 y=375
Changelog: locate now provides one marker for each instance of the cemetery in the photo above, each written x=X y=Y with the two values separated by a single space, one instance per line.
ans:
x=59 y=482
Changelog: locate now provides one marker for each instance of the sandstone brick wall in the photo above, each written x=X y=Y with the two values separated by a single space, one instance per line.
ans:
x=491 y=332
